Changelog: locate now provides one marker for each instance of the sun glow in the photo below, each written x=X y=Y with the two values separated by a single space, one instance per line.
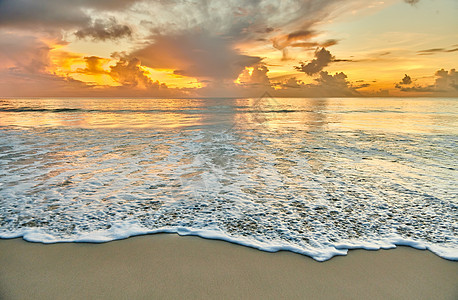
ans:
x=171 y=79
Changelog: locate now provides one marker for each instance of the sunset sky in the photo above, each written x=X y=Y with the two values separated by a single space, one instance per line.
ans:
x=178 y=48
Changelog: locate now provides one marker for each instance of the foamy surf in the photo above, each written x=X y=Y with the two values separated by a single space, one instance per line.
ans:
x=316 y=180
x=319 y=253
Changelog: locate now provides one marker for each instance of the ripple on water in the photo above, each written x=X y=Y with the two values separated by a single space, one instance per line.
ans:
x=316 y=193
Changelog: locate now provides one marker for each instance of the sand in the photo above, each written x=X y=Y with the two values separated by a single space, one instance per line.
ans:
x=168 y=266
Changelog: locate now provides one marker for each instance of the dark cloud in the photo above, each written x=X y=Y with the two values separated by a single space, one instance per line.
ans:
x=328 y=43
x=311 y=45
x=432 y=50
x=299 y=39
x=406 y=80
x=52 y=14
x=33 y=14
x=198 y=39
x=266 y=30
x=322 y=58
x=292 y=83
x=300 y=35
x=196 y=54
x=418 y=89
x=93 y=66
x=411 y=2
x=304 y=45
x=104 y=30
x=286 y=23
x=436 y=50
x=343 y=60
x=289 y=19
x=364 y=85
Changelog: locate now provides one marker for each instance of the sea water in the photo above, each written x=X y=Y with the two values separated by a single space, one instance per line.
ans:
x=312 y=176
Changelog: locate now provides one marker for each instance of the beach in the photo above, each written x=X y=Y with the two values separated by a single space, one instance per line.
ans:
x=168 y=266
x=219 y=149
x=175 y=199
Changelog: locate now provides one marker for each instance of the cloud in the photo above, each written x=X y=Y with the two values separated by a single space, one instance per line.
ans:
x=255 y=83
x=322 y=58
x=257 y=78
x=128 y=72
x=196 y=54
x=33 y=14
x=23 y=53
x=446 y=84
x=292 y=83
x=436 y=50
x=326 y=85
x=447 y=81
x=104 y=30
x=53 y=14
x=336 y=83
x=25 y=66
x=300 y=39
x=294 y=38
x=418 y=89
x=14 y=83
x=361 y=86
x=93 y=65
x=411 y=2
x=406 y=80
x=207 y=40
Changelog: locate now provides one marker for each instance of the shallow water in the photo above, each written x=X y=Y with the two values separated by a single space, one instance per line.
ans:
x=313 y=176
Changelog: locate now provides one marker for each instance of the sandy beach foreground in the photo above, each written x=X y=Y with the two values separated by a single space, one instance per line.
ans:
x=169 y=266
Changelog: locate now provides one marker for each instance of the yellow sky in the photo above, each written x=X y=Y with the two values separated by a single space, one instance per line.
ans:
x=232 y=48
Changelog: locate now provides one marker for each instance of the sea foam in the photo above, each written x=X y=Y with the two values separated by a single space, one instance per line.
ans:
x=266 y=179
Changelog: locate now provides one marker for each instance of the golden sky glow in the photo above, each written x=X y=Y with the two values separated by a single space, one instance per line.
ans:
x=292 y=48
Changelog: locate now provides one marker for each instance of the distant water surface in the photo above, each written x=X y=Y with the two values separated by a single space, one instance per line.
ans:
x=313 y=176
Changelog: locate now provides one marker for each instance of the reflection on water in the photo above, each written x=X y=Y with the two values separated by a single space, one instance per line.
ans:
x=411 y=115
x=315 y=176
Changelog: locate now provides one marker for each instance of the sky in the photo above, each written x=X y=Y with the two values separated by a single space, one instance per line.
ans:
x=228 y=48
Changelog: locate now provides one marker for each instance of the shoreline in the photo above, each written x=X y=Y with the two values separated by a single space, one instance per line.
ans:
x=339 y=249
x=172 y=266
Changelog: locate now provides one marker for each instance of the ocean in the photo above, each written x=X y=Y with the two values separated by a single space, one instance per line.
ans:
x=315 y=176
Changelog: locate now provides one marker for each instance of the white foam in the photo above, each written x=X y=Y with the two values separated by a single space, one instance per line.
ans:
x=266 y=185
x=320 y=254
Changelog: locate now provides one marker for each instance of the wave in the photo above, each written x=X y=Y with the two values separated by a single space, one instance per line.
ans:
x=127 y=230
x=318 y=192
x=33 y=109
x=183 y=110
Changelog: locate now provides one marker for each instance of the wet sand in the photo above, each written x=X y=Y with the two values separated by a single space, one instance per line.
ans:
x=167 y=266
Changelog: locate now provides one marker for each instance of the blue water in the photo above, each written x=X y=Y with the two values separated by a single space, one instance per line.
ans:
x=312 y=176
